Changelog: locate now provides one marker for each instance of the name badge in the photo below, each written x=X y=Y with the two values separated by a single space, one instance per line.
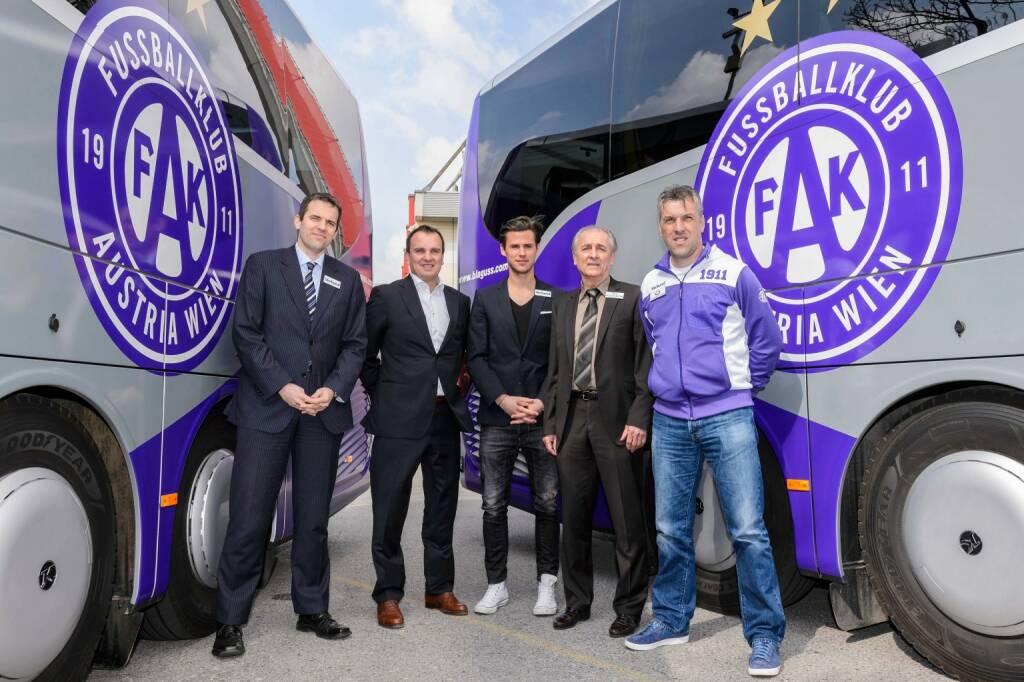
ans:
x=543 y=293
x=615 y=294
x=545 y=312
x=331 y=282
x=658 y=291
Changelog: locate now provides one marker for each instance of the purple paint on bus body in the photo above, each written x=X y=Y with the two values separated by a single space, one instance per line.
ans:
x=832 y=451
x=554 y=265
x=787 y=434
x=155 y=477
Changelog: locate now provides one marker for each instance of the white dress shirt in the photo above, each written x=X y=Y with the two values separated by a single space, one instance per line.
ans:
x=318 y=271
x=435 y=309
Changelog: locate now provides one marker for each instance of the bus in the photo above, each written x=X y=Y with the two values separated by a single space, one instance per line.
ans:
x=148 y=147
x=861 y=157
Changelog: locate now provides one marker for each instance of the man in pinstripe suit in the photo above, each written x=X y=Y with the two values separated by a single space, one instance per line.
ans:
x=300 y=333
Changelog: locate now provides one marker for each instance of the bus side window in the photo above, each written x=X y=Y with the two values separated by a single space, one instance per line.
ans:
x=925 y=26
x=677 y=64
x=544 y=129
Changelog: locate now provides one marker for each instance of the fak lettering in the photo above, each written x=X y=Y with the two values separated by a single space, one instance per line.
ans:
x=147 y=162
x=799 y=174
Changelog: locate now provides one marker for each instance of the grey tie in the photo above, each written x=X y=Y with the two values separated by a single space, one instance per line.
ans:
x=310 y=289
x=585 y=345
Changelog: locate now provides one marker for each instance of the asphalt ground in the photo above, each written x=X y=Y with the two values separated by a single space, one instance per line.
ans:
x=510 y=645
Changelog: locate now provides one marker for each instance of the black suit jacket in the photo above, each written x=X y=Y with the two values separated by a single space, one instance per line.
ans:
x=497 y=362
x=279 y=343
x=622 y=360
x=402 y=381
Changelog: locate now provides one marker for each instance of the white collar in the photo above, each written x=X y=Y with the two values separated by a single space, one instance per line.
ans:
x=303 y=258
x=421 y=284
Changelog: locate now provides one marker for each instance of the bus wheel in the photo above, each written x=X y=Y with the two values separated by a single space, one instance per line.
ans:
x=188 y=609
x=56 y=542
x=941 y=519
x=717 y=584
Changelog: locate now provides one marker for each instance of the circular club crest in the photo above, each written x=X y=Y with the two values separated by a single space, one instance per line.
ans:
x=835 y=174
x=150 y=185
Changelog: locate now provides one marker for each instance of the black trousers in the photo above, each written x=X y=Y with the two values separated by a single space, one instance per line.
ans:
x=392 y=468
x=500 y=447
x=586 y=458
x=261 y=460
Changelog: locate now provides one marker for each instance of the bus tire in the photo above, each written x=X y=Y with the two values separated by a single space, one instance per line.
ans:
x=188 y=608
x=56 y=542
x=719 y=590
x=940 y=514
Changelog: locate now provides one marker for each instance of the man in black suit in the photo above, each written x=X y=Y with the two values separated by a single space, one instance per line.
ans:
x=596 y=419
x=300 y=333
x=416 y=331
x=509 y=330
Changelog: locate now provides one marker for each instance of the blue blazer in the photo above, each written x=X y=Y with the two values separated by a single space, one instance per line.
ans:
x=497 y=363
x=279 y=343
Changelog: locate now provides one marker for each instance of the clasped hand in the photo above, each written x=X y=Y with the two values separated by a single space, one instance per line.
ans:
x=521 y=410
x=295 y=397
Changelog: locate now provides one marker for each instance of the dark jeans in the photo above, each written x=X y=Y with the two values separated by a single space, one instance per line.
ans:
x=392 y=468
x=499 y=448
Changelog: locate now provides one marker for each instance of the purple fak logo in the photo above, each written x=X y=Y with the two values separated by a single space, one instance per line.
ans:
x=150 y=185
x=834 y=175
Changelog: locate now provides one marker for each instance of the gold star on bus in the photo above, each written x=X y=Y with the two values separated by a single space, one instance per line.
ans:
x=755 y=23
x=198 y=7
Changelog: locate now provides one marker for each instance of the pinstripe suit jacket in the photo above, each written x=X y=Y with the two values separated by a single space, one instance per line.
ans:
x=279 y=343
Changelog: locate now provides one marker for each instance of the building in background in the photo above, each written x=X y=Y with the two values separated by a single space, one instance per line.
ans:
x=440 y=210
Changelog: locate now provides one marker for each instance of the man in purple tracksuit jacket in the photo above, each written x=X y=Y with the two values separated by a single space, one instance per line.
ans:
x=715 y=344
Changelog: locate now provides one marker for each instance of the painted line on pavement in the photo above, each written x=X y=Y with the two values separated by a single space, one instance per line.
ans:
x=525 y=638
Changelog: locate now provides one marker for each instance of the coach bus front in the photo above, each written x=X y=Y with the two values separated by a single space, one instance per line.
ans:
x=860 y=156
x=149 y=147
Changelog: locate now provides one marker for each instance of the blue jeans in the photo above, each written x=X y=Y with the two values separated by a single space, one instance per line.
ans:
x=729 y=443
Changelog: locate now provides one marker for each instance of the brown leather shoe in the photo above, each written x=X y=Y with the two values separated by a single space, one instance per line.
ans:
x=389 y=615
x=446 y=603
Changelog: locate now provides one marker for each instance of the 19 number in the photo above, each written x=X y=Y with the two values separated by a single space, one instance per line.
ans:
x=93 y=148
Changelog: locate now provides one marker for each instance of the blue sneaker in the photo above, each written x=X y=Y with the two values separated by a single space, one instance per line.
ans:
x=656 y=634
x=764 y=658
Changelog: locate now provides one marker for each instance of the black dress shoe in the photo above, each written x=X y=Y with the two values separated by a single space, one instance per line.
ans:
x=570 y=617
x=623 y=626
x=323 y=625
x=228 y=642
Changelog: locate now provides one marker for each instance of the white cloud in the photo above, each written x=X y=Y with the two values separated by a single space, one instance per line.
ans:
x=442 y=83
x=369 y=40
x=702 y=75
x=431 y=154
x=402 y=124
x=389 y=258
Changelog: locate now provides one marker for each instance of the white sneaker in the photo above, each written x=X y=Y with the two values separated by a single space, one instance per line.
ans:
x=494 y=598
x=546 y=604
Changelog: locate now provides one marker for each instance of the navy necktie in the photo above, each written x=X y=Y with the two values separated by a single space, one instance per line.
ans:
x=310 y=289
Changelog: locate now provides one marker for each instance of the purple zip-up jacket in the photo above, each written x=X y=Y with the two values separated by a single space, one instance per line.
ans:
x=713 y=336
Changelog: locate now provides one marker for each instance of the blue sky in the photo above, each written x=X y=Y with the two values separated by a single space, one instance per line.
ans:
x=415 y=66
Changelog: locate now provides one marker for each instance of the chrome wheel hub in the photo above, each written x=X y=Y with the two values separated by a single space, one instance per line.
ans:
x=208 y=515
x=963 y=523
x=46 y=558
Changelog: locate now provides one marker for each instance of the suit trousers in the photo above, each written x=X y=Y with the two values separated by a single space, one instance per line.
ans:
x=392 y=468
x=586 y=458
x=261 y=460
